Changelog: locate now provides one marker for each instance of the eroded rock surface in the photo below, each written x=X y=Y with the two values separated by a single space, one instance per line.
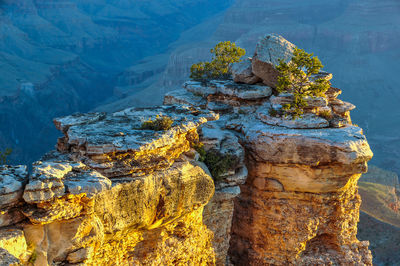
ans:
x=113 y=194
x=268 y=51
x=242 y=72
x=116 y=193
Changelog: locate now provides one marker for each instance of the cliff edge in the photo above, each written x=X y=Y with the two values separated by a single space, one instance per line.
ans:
x=283 y=191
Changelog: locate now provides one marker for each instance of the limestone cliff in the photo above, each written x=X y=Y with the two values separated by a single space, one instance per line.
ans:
x=116 y=193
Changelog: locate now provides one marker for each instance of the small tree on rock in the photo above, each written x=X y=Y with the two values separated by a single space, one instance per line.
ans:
x=224 y=55
x=296 y=77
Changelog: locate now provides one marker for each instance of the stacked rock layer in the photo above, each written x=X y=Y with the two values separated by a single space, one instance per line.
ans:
x=118 y=193
x=113 y=194
x=299 y=204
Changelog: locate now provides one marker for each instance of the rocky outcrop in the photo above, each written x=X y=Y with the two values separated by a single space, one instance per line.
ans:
x=299 y=204
x=117 y=192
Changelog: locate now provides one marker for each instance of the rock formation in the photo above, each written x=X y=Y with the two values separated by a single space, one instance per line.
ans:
x=115 y=192
x=299 y=204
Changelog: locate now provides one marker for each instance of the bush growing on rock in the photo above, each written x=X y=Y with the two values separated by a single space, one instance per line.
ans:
x=224 y=55
x=296 y=77
x=160 y=123
x=215 y=161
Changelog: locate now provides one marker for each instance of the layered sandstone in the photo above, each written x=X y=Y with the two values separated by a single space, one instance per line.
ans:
x=113 y=193
x=116 y=193
x=299 y=204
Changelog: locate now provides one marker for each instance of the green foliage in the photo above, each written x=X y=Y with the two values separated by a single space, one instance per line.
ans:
x=224 y=55
x=219 y=163
x=160 y=123
x=296 y=77
x=199 y=147
x=216 y=162
x=4 y=155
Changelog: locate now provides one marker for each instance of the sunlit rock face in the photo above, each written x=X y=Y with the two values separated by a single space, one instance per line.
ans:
x=299 y=203
x=261 y=189
x=116 y=194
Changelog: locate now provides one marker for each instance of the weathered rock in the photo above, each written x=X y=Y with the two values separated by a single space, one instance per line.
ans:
x=308 y=177
x=219 y=107
x=13 y=241
x=115 y=145
x=61 y=189
x=307 y=146
x=266 y=57
x=229 y=88
x=184 y=97
x=333 y=93
x=162 y=210
x=322 y=75
x=341 y=107
x=7 y=259
x=287 y=98
x=305 y=121
x=242 y=72
x=215 y=137
x=217 y=217
x=12 y=181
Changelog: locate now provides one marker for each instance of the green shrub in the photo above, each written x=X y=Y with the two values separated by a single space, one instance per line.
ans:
x=224 y=55
x=219 y=163
x=295 y=77
x=4 y=155
x=199 y=147
x=215 y=161
x=160 y=123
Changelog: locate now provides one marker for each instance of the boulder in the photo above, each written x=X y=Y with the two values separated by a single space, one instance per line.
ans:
x=242 y=72
x=229 y=88
x=12 y=181
x=342 y=107
x=266 y=57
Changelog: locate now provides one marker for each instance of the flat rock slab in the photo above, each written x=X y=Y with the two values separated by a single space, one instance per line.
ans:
x=121 y=131
x=183 y=96
x=305 y=121
x=313 y=147
x=12 y=180
x=116 y=145
x=287 y=98
x=230 y=88
x=341 y=107
x=58 y=175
